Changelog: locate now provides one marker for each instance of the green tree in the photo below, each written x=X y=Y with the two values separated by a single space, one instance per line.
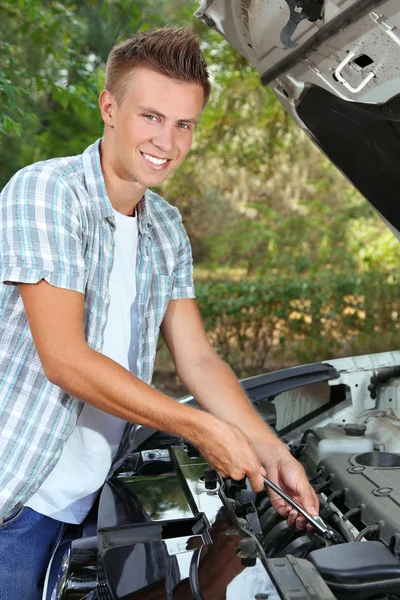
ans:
x=52 y=58
x=257 y=197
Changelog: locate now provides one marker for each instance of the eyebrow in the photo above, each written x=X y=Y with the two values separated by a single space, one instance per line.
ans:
x=158 y=114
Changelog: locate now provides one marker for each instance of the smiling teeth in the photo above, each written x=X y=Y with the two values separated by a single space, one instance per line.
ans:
x=155 y=161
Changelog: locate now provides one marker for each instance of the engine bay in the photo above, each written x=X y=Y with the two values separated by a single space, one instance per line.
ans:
x=168 y=526
x=359 y=498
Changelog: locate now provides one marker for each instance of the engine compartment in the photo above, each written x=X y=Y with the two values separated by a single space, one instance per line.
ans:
x=166 y=517
x=168 y=526
x=167 y=502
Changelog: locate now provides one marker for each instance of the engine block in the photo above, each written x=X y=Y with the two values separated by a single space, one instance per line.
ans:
x=366 y=487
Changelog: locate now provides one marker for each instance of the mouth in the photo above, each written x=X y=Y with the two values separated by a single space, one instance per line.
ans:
x=155 y=163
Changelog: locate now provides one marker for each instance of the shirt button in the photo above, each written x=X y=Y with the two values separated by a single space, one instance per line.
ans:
x=36 y=487
x=109 y=247
x=107 y=299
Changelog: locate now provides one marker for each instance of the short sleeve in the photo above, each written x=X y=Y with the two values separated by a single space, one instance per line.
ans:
x=183 y=286
x=41 y=231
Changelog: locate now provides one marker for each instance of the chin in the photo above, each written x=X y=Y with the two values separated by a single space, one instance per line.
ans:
x=152 y=182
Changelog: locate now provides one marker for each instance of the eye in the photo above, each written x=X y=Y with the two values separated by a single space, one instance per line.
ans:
x=151 y=118
x=184 y=126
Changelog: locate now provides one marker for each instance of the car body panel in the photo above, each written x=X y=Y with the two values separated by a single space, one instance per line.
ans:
x=375 y=34
x=341 y=85
x=257 y=28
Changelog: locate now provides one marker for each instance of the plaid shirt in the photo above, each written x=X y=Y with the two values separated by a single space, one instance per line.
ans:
x=57 y=224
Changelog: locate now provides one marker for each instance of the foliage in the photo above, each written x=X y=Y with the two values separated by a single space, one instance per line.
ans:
x=259 y=324
x=320 y=269
x=38 y=48
x=242 y=135
x=314 y=238
x=52 y=58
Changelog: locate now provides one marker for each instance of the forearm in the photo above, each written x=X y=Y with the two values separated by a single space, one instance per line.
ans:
x=101 y=382
x=217 y=389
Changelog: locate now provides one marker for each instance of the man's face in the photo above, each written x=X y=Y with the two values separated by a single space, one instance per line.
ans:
x=152 y=128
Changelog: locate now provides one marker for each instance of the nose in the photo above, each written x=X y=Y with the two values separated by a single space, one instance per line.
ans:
x=164 y=139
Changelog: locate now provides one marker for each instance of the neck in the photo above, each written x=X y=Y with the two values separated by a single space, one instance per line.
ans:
x=123 y=193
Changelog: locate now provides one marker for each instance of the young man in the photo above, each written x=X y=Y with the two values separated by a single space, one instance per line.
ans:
x=93 y=264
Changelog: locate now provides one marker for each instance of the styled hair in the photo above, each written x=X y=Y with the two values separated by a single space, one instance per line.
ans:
x=171 y=51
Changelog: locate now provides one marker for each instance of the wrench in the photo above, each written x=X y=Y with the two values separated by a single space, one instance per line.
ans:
x=317 y=521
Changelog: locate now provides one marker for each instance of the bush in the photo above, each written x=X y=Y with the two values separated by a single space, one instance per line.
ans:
x=258 y=325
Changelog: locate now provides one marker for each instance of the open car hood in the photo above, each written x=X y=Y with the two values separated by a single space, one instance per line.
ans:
x=335 y=67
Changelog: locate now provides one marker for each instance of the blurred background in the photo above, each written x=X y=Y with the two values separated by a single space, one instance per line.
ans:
x=291 y=263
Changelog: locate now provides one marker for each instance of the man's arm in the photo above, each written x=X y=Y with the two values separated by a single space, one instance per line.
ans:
x=216 y=388
x=205 y=374
x=55 y=318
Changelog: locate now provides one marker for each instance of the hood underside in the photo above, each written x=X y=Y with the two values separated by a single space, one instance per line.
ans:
x=335 y=67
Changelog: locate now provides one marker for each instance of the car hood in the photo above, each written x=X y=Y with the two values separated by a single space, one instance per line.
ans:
x=334 y=65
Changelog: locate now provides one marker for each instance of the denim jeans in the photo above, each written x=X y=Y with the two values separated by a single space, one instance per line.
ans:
x=26 y=543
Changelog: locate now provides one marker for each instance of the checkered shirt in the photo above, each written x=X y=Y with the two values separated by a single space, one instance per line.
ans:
x=57 y=224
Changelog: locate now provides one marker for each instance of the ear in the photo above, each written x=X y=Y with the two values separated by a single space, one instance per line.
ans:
x=107 y=104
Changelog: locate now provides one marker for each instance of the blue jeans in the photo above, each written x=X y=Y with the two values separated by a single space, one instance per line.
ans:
x=26 y=544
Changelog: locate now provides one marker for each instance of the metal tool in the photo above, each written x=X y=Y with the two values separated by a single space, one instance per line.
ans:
x=317 y=521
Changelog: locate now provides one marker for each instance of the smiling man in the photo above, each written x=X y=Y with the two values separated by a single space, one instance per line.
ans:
x=93 y=264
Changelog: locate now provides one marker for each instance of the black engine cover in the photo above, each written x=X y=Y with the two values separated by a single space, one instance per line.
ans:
x=358 y=570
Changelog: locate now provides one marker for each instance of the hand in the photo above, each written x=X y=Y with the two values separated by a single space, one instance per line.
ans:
x=286 y=472
x=230 y=452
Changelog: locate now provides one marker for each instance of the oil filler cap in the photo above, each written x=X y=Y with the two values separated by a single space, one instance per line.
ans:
x=355 y=429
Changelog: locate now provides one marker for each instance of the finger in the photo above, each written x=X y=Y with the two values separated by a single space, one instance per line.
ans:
x=255 y=480
x=310 y=527
x=291 y=519
x=309 y=500
x=256 y=483
x=301 y=523
x=279 y=504
x=254 y=476
x=316 y=500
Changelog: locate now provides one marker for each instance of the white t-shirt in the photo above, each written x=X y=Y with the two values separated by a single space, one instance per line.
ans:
x=69 y=491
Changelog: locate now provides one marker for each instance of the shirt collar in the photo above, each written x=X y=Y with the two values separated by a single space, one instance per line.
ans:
x=144 y=215
x=97 y=190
